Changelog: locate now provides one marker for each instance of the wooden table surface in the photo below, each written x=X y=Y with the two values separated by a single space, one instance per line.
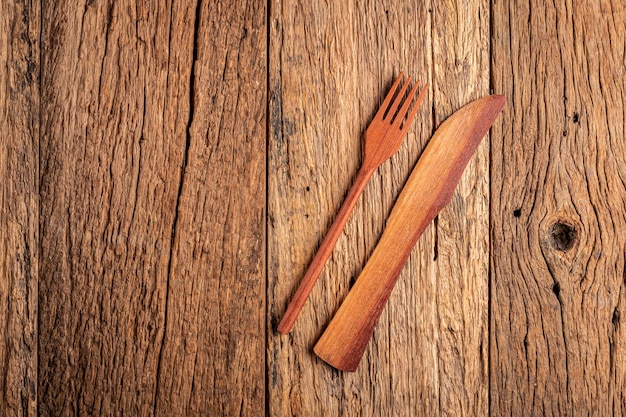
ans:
x=169 y=168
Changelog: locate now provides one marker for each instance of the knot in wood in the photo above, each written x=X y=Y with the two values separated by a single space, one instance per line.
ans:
x=562 y=236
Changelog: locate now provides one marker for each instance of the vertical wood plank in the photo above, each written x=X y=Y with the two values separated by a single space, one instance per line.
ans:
x=19 y=205
x=152 y=193
x=115 y=106
x=461 y=40
x=213 y=358
x=558 y=220
x=330 y=65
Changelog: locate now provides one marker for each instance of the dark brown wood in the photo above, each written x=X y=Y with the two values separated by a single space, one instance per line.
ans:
x=19 y=197
x=152 y=208
x=383 y=138
x=115 y=109
x=429 y=188
x=558 y=218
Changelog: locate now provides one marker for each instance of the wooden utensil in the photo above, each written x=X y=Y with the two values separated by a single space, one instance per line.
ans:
x=429 y=188
x=382 y=139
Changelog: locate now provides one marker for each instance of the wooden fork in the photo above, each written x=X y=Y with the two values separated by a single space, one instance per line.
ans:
x=382 y=139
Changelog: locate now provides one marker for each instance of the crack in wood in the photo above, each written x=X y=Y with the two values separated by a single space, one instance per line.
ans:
x=185 y=160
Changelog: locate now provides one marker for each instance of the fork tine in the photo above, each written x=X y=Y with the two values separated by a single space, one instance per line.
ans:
x=396 y=102
x=387 y=100
x=416 y=106
x=405 y=106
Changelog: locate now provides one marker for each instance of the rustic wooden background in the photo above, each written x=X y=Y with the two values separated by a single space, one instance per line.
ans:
x=168 y=169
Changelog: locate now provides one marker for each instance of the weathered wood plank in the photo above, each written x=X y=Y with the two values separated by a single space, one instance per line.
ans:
x=213 y=357
x=152 y=196
x=329 y=68
x=461 y=74
x=115 y=106
x=558 y=220
x=19 y=205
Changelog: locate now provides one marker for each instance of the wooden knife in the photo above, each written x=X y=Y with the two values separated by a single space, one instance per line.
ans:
x=429 y=188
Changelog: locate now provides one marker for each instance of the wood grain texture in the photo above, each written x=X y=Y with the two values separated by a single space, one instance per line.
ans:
x=330 y=65
x=558 y=215
x=213 y=360
x=115 y=108
x=19 y=204
x=461 y=48
x=132 y=207
x=152 y=202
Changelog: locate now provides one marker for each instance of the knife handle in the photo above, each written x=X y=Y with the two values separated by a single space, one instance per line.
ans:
x=345 y=339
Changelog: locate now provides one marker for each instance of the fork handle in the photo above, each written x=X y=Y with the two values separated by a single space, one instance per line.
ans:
x=324 y=251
